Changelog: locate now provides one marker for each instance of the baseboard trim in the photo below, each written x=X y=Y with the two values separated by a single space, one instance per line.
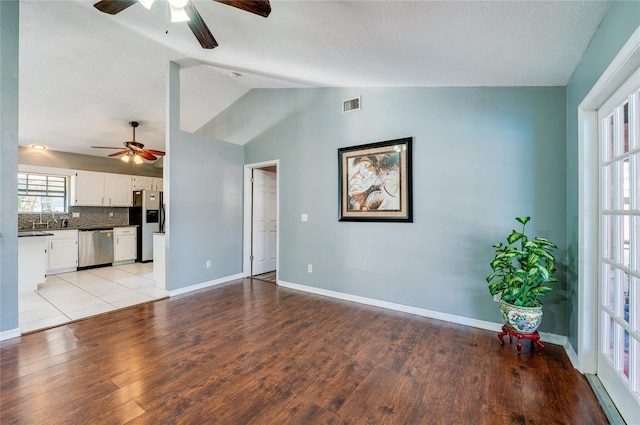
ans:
x=11 y=333
x=461 y=320
x=571 y=353
x=203 y=285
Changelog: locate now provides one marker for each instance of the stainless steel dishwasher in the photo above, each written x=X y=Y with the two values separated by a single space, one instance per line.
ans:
x=95 y=247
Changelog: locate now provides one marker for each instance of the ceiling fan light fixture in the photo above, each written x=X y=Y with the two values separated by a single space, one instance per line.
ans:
x=178 y=14
x=125 y=158
x=137 y=159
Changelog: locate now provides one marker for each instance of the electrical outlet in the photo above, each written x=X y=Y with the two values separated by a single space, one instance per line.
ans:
x=110 y=215
x=496 y=297
x=208 y=264
x=309 y=268
x=75 y=215
x=304 y=217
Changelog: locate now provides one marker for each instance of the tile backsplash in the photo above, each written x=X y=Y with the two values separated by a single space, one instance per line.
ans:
x=89 y=217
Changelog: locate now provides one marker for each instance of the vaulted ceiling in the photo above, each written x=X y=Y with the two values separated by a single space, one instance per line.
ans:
x=85 y=74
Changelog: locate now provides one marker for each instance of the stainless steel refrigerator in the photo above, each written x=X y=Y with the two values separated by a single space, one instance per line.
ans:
x=148 y=214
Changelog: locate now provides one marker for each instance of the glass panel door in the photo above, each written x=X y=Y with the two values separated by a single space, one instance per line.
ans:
x=619 y=295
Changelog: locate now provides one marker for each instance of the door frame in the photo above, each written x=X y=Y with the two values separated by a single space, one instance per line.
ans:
x=248 y=213
x=618 y=71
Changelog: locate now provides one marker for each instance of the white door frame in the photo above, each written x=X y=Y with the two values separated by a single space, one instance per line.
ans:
x=618 y=71
x=248 y=207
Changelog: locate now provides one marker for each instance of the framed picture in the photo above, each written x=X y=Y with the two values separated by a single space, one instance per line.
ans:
x=376 y=181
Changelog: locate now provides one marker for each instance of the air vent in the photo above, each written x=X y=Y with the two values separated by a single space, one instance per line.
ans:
x=351 y=105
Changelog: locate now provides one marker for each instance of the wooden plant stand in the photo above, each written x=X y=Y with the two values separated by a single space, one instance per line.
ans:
x=534 y=338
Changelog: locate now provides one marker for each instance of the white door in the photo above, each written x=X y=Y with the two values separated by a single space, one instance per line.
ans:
x=265 y=221
x=619 y=251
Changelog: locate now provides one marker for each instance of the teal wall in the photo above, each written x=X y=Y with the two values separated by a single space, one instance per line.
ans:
x=203 y=196
x=621 y=20
x=482 y=156
x=9 y=12
x=204 y=210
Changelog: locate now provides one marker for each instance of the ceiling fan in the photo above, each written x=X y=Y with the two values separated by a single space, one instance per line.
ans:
x=185 y=10
x=133 y=149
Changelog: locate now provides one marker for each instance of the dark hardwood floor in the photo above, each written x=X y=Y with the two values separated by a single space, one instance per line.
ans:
x=250 y=352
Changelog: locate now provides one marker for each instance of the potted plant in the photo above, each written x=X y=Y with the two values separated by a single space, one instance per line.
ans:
x=521 y=270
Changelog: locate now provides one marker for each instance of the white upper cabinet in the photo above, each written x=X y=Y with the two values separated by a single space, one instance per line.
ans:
x=90 y=188
x=142 y=182
x=148 y=183
x=158 y=184
x=87 y=189
x=117 y=190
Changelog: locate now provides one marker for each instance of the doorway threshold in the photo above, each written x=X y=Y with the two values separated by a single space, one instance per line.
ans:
x=609 y=408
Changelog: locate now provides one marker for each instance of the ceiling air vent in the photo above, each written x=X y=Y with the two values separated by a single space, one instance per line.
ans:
x=351 y=105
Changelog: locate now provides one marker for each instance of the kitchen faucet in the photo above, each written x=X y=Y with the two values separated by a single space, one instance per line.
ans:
x=52 y=216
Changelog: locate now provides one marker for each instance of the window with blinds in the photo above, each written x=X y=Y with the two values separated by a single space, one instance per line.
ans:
x=39 y=192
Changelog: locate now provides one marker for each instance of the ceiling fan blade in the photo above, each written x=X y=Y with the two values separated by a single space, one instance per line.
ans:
x=259 y=7
x=119 y=153
x=147 y=155
x=114 y=6
x=155 y=152
x=199 y=28
x=104 y=147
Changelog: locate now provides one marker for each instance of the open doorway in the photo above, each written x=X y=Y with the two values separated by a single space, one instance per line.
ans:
x=261 y=240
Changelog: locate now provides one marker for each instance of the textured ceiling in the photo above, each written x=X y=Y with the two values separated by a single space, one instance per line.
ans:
x=85 y=74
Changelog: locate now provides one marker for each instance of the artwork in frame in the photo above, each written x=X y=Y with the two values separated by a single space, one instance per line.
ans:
x=376 y=181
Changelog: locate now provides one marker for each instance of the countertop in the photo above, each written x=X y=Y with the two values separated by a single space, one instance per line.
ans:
x=28 y=232
x=32 y=233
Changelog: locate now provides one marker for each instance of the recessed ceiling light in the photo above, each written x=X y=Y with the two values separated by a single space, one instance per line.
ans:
x=39 y=147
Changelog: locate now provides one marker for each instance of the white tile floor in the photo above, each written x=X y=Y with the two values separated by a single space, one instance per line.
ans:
x=66 y=297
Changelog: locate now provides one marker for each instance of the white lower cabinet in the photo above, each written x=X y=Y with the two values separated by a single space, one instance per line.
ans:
x=32 y=258
x=125 y=244
x=62 y=251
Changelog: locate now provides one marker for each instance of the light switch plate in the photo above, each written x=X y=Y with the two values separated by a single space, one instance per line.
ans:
x=304 y=217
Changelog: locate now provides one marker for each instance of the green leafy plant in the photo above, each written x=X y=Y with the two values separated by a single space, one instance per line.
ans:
x=521 y=274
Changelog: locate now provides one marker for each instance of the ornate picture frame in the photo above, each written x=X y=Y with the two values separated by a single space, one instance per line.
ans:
x=376 y=181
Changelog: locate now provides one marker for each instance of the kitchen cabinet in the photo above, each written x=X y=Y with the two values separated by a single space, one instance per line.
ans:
x=125 y=244
x=87 y=188
x=32 y=259
x=148 y=183
x=117 y=190
x=90 y=188
x=62 y=251
x=142 y=182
